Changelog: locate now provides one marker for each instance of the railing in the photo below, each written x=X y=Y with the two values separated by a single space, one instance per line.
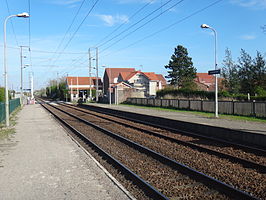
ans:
x=13 y=104
x=244 y=108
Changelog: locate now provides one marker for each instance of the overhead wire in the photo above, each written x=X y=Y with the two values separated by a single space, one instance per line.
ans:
x=29 y=29
x=70 y=26
x=13 y=29
x=152 y=19
x=167 y=27
x=74 y=34
x=132 y=16
x=136 y=23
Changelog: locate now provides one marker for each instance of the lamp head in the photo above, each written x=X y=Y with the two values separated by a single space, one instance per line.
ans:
x=204 y=26
x=24 y=15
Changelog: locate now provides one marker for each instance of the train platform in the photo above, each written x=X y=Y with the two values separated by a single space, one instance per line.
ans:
x=238 y=131
x=40 y=161
x=239 y=125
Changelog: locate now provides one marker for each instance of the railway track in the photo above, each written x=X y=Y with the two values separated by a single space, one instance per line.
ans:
x=161 y=154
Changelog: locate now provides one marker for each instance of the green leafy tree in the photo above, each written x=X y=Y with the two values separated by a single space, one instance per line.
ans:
x=181 y=71
x=260 y=69
x=252 y=72
x=2 y=94
x=246 y=73
x=230 y=73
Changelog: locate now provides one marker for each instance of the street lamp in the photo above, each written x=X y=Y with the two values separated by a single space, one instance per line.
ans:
x=215 y=65
x=24 y=15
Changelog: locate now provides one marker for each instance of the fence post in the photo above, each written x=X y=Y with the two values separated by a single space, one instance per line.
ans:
x=233 y=107
x=254 y=108
x=189 y=104
x=201 y=105
x=178 y=103
x=161 y=102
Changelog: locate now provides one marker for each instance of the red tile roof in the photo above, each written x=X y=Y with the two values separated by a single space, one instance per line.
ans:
x=82 y=80
x=161 y=78
x=151 y=75
x=205 y=78
x=114 y=72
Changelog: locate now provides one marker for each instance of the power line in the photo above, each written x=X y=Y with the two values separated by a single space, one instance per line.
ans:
x=29 y=8
x=169 y=26
x=155 y=17
x=70 y=26
x=135 y=23
x=71 y=38
x=43 y=51
x=12 y=23
x=132 y=16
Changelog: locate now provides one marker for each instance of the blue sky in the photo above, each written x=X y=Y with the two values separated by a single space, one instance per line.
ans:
x=145 y=41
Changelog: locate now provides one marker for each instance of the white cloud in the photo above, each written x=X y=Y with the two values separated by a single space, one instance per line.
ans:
x=111 y=20
x=135 y=1
x=71 y=3
x=248 y=37
x=255 y=4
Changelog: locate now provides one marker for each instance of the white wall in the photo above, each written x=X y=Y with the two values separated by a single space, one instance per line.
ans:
x=152 y=87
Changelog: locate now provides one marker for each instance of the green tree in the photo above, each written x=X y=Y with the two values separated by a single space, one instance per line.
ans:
x=246 y=72
x=181 y=70
x=2 y=94
x=230 y=73
x=252 y=72
x=260 y=71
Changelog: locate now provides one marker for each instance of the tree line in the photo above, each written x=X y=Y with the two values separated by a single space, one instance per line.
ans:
x=246 y=76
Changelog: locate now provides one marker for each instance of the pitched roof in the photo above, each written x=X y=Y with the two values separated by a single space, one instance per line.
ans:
x=74 y=80
x=205 y=78
x=127 y=75
x=114 y=72
x=151 y=75
x=161 y=78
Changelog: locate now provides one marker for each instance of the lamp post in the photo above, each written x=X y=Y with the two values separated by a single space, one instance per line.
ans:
x=21 y=75
x=110 y=88
x=24 y=15
x=215 y=64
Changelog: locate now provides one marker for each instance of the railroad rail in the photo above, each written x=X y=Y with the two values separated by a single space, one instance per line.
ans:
x=246 y=163
x=135 y=118
x=192 y=173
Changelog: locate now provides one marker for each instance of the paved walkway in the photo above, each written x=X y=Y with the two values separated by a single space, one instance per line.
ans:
x=40 y=161
x=248 y=126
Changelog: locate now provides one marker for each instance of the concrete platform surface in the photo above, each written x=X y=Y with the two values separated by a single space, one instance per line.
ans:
x=39 y=161
x=239 y=125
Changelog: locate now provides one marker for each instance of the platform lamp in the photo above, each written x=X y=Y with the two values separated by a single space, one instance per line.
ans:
x=215 y=65
x=23 y=15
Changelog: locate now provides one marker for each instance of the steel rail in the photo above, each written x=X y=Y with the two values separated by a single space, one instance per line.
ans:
x=147 y=188
x=199 y=176
x=261 y=152
x=242 y=161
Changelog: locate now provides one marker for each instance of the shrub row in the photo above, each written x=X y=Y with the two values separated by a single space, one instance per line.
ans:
x=194 y=94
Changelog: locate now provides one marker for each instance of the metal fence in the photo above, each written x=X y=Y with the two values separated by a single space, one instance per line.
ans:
x=13 y=104
x=250 y=108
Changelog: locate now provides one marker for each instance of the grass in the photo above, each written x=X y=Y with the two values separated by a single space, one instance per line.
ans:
x=6 y=132
x=204 y=114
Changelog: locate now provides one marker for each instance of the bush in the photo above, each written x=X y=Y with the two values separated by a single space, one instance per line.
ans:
x=2 y=94
x=186 y=93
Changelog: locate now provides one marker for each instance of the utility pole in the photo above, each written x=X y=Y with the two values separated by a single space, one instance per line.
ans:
x=31 y=85
x=71 y=91
x=97 y=66
x=21 y=77
x=90 y=71
x=78 y=86
x=97 y=80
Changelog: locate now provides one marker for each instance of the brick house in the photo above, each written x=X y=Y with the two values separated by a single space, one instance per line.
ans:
x=206 y=82
x=127 y=82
